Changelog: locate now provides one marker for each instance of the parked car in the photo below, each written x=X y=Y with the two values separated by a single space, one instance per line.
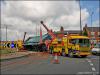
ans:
x=96 y=49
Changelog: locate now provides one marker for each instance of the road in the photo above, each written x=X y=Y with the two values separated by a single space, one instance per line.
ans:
x=43 y=64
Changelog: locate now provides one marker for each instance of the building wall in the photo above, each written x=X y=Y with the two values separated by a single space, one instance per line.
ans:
x=94 y=36
x=93 y=33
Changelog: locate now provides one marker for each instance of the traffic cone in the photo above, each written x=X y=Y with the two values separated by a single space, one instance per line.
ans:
x=56 y=61
x=59 y=54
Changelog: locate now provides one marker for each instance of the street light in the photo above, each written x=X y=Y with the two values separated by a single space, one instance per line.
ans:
x=80 y=18
x=6 y=29
x=91 y=23
x=6 y=32
x=6 y=25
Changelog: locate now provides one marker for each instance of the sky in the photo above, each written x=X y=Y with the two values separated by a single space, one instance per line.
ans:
x=25 y=16
x=92 y=6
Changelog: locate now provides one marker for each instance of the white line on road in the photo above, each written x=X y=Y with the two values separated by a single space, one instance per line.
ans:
x=93 y=69
x=91 y=64
x=89 y=61
x=87 y=73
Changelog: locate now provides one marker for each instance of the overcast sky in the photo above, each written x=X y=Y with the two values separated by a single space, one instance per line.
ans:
x=25 y=16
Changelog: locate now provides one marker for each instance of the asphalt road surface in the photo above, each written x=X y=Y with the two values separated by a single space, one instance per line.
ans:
x=44 y=64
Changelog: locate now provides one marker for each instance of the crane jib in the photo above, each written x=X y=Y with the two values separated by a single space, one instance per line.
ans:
x=49 y=31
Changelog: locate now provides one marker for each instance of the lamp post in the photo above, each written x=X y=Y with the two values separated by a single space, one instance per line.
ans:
x=6 y=28
x=91 y=23
x=80 y=18
x=6 y=32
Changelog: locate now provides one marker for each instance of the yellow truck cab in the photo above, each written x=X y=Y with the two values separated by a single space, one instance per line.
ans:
x=76 y=45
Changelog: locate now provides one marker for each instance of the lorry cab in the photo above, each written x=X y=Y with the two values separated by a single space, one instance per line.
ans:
x=76 y=45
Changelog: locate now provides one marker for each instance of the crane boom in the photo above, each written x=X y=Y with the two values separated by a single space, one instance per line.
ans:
x=24 y=37
x=40 y=35
x=49 y=31
x=44 y=26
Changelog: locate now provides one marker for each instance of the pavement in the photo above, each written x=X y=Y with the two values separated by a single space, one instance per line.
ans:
x=15 y=55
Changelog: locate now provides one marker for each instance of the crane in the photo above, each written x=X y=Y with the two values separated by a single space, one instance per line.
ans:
x=49 y=31
x=56 y=45
x=24 y=37
x=21 y=44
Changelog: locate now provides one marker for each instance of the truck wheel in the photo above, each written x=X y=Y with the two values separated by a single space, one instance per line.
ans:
x=51 y=51
x=44 y=48
x=83 y=56
x=70 y=54
x=94 y=53
x=63 y=53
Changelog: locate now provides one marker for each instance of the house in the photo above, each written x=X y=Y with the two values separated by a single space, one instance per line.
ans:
x=93 y=33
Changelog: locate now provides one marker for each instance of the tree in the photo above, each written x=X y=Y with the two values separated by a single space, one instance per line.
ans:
x=85 y=33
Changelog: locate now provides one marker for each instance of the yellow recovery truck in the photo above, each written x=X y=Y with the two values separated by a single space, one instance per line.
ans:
x=71 y=45
x=76 y=45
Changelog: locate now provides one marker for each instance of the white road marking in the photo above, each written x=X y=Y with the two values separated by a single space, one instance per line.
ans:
x=87 y=73
x=93 y=69
x=95 y=58
x=89 y=61
x=91 y=64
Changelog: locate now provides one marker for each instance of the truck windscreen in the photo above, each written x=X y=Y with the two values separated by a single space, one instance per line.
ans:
x=83 y=42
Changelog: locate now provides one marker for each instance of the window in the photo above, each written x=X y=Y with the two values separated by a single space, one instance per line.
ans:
x=72 y=40
x=99 y=34
x=93 y=34
x=81 y=42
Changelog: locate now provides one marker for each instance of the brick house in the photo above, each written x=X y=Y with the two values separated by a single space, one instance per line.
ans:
x=93 y=33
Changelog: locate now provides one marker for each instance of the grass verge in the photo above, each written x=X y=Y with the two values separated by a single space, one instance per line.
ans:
x=7 y=51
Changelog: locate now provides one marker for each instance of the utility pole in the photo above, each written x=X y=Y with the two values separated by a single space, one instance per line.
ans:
x=80 y=18
x=91 y=23
x=6 y=32
x=5 y=25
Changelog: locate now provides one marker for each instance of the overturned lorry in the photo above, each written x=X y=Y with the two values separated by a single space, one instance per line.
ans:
x=33 y=43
